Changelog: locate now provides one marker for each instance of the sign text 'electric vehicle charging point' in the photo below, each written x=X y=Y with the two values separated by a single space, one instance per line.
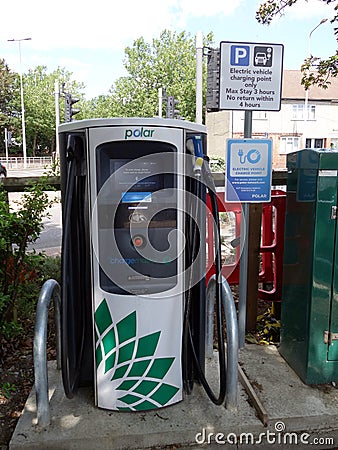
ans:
x=248 y=170
x=134 y=263
x=250 y=76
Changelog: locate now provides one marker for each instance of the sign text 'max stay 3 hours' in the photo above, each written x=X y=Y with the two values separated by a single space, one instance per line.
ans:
x=250 y=76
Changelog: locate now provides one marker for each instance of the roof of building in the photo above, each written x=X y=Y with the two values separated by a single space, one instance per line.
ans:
x=293 y=89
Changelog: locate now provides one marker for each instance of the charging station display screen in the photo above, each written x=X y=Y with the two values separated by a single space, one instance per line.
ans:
x=137 y=216
x=137 y=175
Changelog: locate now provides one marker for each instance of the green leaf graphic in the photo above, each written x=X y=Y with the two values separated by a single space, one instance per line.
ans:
x=164 y=393
x=147 y=345
x=102 y=317
x=126 y=352
x=145 y=387
x=139 y=367
x=126 y=328
x=160 y=367
x=109 y=341
x=120 y=371
x=132 y=360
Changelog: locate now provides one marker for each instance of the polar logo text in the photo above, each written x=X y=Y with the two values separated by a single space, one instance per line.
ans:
x=138 y=133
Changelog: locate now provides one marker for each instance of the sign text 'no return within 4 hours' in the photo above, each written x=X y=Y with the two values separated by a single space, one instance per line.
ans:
x=250 y=76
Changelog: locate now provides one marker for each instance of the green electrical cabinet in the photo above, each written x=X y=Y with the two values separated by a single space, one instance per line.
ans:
x=309 y=316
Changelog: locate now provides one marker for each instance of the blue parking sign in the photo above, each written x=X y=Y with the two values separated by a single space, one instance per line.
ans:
x=240 y=55
x=248 y=170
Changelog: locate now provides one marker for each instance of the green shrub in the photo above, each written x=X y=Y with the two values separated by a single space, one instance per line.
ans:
x=21 y=273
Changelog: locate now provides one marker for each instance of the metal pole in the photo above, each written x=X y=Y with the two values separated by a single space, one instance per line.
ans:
x=50 y=289
x=243 y=274
x=306 y=105
x=24 y=148
x=160 y=98
x=6 y=144
x=199 y=77
x=57 y=119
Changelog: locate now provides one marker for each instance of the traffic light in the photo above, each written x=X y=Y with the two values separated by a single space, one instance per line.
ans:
x=9 y=137
x=69 y=110
x=172 y=112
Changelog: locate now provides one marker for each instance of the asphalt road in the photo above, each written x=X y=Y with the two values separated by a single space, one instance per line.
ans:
x=29 y=172
x=50 y=238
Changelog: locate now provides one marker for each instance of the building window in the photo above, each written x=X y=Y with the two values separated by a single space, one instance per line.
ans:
x=298 y=112
x=288 y=144
x=314 y=143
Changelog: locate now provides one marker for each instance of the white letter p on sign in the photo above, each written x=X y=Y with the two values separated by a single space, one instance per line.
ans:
x=240 y=53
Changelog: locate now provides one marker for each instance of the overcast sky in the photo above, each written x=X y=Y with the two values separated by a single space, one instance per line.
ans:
x=90 y=41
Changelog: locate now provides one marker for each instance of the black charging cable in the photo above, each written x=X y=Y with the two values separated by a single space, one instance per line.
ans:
x=216 y=399
x=72 y=311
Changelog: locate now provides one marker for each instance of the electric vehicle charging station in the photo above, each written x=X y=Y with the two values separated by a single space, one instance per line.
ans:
x=133 y=258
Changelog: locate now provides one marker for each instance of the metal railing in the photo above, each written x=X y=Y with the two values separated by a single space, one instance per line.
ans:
x=231 y=396
x=49 y=290
x=14 y=162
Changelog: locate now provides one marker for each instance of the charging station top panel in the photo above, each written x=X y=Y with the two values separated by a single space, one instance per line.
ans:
x=129 y=121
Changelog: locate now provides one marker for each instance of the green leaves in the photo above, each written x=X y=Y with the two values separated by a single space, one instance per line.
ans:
x=39 y=88
x=316 y=71
x=268 y=329
x=39 y=101
x=18 y=228
x=269 y=9
x=167 y=62
x=324 y=70
x=131 y=359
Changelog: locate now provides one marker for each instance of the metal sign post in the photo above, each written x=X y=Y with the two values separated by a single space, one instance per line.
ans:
x=250 y=79
x=243 y=267
x=248 y=180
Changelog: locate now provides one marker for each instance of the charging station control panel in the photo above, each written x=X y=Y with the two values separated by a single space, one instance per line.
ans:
x=137 y=216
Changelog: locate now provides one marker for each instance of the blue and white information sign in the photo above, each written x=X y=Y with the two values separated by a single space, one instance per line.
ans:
x=250 y=76
x=248 y=170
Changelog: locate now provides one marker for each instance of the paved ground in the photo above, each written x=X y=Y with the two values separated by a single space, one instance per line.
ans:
x=298 y=416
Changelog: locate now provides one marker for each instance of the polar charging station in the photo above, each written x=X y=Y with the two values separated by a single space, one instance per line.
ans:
x=134 y=261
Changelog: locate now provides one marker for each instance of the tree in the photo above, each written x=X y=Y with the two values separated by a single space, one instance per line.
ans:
x=8 y=90
x=325 y=68
x=39 y=87
x=101 y=106
x=39 y=100
x=168 y=62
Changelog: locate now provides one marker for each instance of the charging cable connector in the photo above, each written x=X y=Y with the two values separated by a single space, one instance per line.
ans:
x=198 y=167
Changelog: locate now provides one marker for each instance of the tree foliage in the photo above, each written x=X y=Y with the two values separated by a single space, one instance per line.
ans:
x=40 y=106
x=8 y=90
x=325 y=68
x=18 y=228
x=168 y=62
x=39 y=103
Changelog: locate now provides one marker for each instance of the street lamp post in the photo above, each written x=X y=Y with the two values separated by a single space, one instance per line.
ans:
x=306 y=105
x=24 y=148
